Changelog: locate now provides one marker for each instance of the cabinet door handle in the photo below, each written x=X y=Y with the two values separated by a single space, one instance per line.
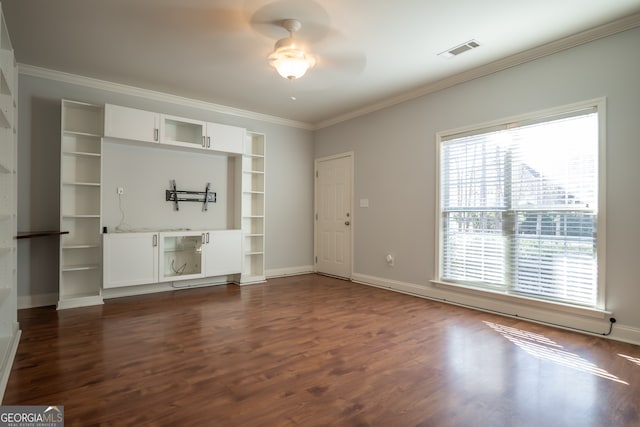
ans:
x=207 y=237
x=204 y=141
x=155 y=134
x=208 y=142
x=204 y=238
x=155 y=240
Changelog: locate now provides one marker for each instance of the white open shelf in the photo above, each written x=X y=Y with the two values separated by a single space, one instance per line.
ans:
x=80 y=204
x=9 y=328
x=71 y=247
x=80 y=267
x=253 y=208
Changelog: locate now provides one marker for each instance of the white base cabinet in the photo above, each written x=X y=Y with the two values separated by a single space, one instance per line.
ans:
x=130 y=259
x=222 y=252
x=144 y=258
x=181 y=255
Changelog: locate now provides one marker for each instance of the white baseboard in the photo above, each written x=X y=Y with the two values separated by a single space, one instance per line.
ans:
x=42 y=300
x=566 y=319
x=8 y=354
x=289 y=271
x=38 y=300
x=82 y=301
x=153 y=288
x=625 y=333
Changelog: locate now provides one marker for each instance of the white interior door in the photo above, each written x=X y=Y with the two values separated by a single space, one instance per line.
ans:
x=333 y=216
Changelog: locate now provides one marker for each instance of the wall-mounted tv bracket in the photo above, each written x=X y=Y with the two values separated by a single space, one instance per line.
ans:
x=204 y=197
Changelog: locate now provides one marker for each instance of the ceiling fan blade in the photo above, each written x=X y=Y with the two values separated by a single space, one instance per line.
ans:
x=351 y=63
x=331 y=71
x=267 y=19
x=338 y=60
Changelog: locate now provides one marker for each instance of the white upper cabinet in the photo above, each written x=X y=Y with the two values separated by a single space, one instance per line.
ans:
x=225 y=138
x=183 y=132
x=139 y=125
x=199 y=134
x=130 y=123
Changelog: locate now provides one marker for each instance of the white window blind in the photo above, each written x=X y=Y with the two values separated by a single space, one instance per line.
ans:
x=518 y=208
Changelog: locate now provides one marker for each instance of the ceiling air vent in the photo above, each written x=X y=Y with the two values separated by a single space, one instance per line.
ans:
x=457 y=50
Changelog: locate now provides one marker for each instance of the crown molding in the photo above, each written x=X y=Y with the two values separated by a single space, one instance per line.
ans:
x=60 y=76
x=624 y=24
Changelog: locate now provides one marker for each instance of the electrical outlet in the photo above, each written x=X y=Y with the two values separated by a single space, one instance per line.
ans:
x=390 y=260
x=121 y=190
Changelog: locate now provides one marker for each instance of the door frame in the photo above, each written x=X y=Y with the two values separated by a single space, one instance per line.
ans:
x=350 y=155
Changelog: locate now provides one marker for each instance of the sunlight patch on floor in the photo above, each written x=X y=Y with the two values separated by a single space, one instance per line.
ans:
x=543 y=348
x=630 y=359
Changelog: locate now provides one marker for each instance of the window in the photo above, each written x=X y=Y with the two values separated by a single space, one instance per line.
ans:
x=519 y=207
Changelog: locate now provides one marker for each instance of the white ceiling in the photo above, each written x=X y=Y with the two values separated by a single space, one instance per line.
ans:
x=216 y=50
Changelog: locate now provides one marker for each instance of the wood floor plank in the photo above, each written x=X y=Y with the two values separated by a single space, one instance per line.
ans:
x=312 y=351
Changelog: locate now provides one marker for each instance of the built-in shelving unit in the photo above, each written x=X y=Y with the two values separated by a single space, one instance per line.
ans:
x=80 y=204
x=9 y=328
x=253 y=208
x=236 y=251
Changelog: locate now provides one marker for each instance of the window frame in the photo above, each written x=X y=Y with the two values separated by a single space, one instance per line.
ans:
x=599 y=105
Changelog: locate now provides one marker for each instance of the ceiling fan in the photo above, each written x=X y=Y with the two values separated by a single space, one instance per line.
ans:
x=311 y=44
x=291 y=57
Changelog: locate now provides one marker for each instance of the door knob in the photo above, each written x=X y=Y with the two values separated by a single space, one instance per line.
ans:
x=347 y=223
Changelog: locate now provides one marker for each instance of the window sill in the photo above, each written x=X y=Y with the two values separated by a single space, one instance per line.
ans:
x=522 y=300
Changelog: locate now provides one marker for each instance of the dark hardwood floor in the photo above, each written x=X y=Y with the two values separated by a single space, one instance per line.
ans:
x=313 y=351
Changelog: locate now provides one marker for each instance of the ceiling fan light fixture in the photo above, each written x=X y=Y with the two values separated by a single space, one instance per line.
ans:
x=289 y=57
x=290 y=62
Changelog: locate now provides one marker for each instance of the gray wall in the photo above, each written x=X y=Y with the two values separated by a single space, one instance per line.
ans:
x=395 y=154
x=289 y=180
x=145 y=172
